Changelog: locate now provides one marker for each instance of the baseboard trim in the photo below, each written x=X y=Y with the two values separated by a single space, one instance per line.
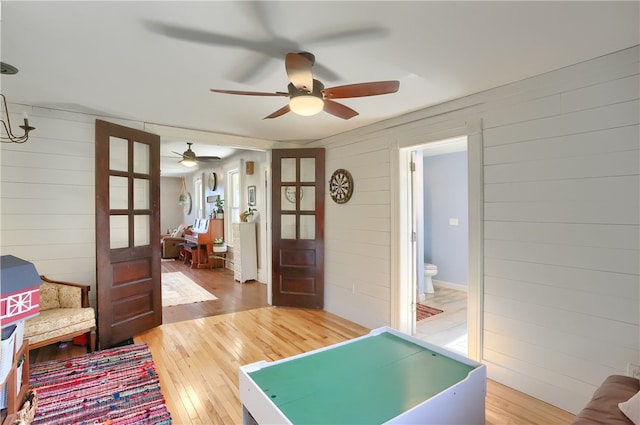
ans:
x=450 y=285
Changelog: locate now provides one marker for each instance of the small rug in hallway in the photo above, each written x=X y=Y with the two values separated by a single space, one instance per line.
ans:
x=423 y=311
x=116 y=386
x=179 y=289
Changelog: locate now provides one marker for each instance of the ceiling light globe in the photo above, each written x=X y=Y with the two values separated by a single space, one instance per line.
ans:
x=306 y=105
x=189 y=162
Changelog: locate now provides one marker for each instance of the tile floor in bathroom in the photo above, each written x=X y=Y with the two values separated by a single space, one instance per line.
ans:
x=449 y=328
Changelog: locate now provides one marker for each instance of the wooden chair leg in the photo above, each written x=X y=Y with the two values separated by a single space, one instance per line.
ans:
x=91 y=341
x=194 y=257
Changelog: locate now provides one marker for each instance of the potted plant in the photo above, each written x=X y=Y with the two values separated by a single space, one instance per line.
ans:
x=220 y=208
x=248 y=215
x=182 y=198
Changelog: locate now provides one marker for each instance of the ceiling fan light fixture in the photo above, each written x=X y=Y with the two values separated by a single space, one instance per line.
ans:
x=306 y=105
x=189 y=162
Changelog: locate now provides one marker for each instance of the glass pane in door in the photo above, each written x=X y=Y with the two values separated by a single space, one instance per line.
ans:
x=287 y=226
x=118 y=154
x=141 y=194
x=288 y=170
x=140 y=158
x=118 y=231
x=118 y=193
x=307 y=227
x=141 y=230
x=288 y=198
x=307 y=169
x=307 y=198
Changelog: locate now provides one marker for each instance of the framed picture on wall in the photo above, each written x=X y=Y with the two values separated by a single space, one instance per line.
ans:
x=251 y=196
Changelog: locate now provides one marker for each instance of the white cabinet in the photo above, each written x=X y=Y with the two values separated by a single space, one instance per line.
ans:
x=245 y=253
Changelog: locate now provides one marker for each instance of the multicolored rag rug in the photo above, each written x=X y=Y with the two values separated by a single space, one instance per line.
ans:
x=423 y=311
x=117 y=386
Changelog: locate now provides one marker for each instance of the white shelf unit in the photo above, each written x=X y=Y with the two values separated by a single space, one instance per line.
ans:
x=245 y=253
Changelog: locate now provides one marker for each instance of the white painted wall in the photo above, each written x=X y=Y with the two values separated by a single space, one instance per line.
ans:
x=171 y=213
x=258 y=179
x=561 y=224
x=47 y=194
x=561 y=244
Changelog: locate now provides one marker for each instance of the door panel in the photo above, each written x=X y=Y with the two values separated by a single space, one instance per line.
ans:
x=298 y=227
x=127 y=224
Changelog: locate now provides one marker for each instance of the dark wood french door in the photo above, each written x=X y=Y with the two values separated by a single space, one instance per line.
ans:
x=128 y=280
x=298 y=227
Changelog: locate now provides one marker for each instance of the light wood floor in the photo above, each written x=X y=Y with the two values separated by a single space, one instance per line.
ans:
x=198 y=360
x=198 y=363
x=232 y=296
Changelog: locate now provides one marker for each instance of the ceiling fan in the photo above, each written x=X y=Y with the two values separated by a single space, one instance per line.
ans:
x=307 y=96
x=189 y=158
x=261 y=16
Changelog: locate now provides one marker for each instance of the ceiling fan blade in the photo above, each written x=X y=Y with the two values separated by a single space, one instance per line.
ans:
x=208 y=158
x=324 y=73
x=253 y=68
x=250 y=93
x=339 y=110
x=362 y=89
x=278 y=113
x=357 y=34
x=199 y=36
x=298 y=68
x=259 y=12
x=176 y=153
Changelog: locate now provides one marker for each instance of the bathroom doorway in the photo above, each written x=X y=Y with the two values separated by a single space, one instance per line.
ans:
x=440 y=209
x=410 y=265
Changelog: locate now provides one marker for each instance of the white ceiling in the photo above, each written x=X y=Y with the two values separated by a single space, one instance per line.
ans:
x=111 y=59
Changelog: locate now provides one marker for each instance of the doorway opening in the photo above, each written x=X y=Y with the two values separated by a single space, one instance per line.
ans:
x=410 y=265
x=441 y=221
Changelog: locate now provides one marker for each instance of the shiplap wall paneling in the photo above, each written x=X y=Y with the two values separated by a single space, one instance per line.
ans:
x=562 y=213
x=607 y=141
x=48 y=194
x=560 y=164
x=48 y=198
x=357 y=234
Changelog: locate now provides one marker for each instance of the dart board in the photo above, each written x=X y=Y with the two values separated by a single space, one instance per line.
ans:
x=341 y=186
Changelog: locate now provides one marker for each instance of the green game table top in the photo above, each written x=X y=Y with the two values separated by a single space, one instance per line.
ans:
x=369 y=380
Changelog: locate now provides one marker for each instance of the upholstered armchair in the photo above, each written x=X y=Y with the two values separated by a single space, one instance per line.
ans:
x=65 y=313
x=171 y=246
x=171 y=243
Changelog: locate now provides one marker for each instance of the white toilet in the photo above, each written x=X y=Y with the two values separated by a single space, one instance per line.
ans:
x=430 y=270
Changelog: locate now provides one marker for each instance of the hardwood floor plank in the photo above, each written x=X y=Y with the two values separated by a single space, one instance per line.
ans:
x=198 y=360
x=201 y=359
x=232 y=296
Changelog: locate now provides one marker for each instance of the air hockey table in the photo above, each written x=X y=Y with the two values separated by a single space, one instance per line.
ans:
x=385 y=377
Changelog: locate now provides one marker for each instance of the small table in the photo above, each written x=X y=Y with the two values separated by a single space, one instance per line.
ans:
x=219 y=254
x=384 y=377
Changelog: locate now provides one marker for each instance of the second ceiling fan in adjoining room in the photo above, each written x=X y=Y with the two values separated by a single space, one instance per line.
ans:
x=307 y=96
x=190 y=159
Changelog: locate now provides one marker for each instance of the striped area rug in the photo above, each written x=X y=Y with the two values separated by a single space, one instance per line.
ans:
x=423 y=311
x=117 y=386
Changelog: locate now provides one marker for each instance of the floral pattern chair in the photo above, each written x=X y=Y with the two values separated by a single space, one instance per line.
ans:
x=65 y=313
